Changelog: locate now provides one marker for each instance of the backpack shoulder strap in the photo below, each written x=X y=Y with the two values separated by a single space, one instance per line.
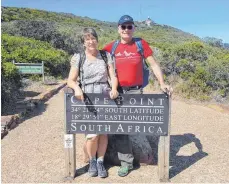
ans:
x=114 y=46
x=104 y=55
x=138 y=42
x=81 y=62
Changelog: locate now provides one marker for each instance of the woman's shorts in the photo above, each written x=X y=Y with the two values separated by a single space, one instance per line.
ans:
x=89 y=136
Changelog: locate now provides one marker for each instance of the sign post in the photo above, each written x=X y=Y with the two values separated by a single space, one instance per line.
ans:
x=163 y=153
x=146 y=114
x=31 y=68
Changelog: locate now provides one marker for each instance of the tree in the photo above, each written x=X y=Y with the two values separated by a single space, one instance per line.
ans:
x=215 y=42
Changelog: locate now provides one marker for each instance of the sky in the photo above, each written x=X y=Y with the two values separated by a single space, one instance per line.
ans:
x=199 y=17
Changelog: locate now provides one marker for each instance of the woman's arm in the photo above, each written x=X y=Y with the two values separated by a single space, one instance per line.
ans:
x=72 y=83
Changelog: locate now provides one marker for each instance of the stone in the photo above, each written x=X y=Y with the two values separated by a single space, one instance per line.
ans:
x=4 y=133
x=142 y=150
x=13 y=125
x=5 y=120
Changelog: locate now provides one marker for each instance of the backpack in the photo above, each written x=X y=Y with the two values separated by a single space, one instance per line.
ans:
x=82 y=60
x=145 y=67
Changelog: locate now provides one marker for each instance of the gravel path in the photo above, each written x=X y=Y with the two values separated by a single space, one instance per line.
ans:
x=34 y=152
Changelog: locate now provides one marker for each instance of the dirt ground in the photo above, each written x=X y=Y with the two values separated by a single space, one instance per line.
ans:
x=30 y=90
x=33 y=152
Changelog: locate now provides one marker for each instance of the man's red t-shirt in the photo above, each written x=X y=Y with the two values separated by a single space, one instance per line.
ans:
x=128 y=62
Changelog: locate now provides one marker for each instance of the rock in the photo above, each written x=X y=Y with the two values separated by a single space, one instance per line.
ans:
x=142 y=150
x=4 y=132
x=13 y=125
x=5 y=120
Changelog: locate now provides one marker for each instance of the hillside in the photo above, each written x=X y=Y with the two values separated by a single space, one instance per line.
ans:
x=67 y=22
x=195 y=68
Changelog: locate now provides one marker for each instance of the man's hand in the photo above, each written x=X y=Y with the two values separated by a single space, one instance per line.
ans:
x=114 y=94
x=167 y=89
x=79 y=94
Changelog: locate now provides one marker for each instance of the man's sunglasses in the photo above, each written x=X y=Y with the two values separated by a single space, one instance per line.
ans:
x=129 y=27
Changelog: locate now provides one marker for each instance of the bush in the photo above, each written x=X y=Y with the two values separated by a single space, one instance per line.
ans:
x=10 y=84
x=194 y=88
x=25 y=50
x=218 y=69
x=41 y=30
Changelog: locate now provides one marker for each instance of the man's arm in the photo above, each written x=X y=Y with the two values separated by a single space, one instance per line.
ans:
x=159 y=75
x=114 y=82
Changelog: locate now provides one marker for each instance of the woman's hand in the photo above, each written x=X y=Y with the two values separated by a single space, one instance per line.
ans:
x=79 y=94
x=114 y=93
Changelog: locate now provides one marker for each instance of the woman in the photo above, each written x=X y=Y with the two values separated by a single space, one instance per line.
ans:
x=95 y=73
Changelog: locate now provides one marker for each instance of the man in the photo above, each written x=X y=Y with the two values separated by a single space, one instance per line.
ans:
x=129 y=71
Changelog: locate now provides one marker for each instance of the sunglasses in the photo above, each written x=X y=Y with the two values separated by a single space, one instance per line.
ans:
x=129 y=27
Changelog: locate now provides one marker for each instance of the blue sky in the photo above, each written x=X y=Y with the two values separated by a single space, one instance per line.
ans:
x=199 y=17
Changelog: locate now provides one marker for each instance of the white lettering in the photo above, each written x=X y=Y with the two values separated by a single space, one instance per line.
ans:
x=120 y=127
x=106 y=117
x=106 y=101
x=130 y=128
x=112 y=117
x=96 y=100
x=90 y=127
x=83 y=128
x=161 y=118
x=87 y=101
x=149 y=129
x=115 y=110
x=73 y=100
x=150 y=101
x=161 y=99
x=107 y=128
x=132 y=101
x=73 y=127
x=137 y=128
x=159 y=130
x=119 y=99
x=144 y=129
x=99 y=127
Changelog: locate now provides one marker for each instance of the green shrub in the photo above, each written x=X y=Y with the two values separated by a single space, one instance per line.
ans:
x=25 y=50
x=203 y=68
x=218 y=69
x=10 y=84
x=196 y=89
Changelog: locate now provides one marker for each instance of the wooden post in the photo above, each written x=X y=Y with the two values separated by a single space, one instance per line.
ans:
x=70 y=151
x=70 y=156
x=163 y=152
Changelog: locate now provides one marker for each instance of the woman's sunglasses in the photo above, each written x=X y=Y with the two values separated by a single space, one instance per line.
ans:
x=129 y=27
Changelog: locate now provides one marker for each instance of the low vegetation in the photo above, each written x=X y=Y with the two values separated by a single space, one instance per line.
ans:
x=197 y=68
